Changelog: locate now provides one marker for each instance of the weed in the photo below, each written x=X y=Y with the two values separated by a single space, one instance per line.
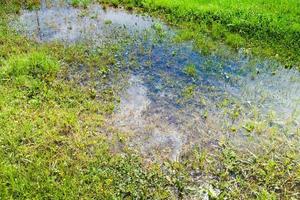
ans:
x=190 y=70
x=189 y=91
x=80 y=3
x=107 y=22
x=234 y=40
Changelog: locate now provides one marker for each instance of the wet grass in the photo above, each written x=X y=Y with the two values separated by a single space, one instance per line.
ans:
x=80 y=3
x=265 y=28
x=190 y=70
x=265 y=163
x=52 y=136
x=54 y=143
x=248 y=175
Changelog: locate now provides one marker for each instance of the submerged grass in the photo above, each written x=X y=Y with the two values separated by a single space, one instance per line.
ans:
x=53 y=142
x=266 y=28
x=52 y=131
x=78 y=3
x=190 y=70
x=271 y=174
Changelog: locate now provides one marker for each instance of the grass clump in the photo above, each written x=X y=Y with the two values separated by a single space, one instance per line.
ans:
x=234 y=40
x=188 y=92
x=190 y=70
x=36 y=65
x=15 y=5
x=108 y=22
x=80 y=3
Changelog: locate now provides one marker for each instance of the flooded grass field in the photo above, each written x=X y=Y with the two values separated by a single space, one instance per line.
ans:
x=174 y=96
x=171 y=96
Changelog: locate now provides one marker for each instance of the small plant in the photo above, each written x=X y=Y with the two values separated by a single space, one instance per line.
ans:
x=108 y=22
x=75 y=3
x=205 y=44
x=32 y=4
x=189 y=91
x=80 y=3
x=250 y=126
x=158 y=27
x=218 y=31
x=115 y=3
x=234 y=40
x=184 y=35
x=190 y=70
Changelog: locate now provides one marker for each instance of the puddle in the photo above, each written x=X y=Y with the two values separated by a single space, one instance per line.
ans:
x=164 y=108
x=54 y=22
x=225 y=98
x=152 y=134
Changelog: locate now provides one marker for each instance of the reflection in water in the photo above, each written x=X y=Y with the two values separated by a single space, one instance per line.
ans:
x=72 y=24
x=236 y=94
x=166 y=109
x=153 y=132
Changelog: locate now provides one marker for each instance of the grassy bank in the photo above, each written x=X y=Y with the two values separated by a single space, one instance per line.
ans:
x=54 y=144
x=266 y=28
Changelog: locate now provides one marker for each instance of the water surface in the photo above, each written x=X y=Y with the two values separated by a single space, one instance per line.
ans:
x=165 y=110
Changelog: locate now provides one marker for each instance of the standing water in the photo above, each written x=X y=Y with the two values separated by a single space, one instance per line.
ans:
x=176 y=97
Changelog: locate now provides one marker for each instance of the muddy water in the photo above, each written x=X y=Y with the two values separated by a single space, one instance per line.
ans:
x=165 y=110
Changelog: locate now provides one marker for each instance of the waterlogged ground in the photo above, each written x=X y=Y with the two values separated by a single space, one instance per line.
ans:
x=58 y=21
x=178 y=98
x=175 y=97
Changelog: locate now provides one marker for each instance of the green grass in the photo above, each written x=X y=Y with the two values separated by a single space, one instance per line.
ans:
x=50 y=146
x=267 y=28
x=190 y=70
x=80 y=3
x=35 y=65
x=53 y=143
x=271 y=174
x=53 y=135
